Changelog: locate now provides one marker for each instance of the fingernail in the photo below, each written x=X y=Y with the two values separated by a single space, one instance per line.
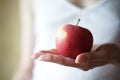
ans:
x=43 y=57
x=76 y=61
x=40 y=58
x=46 y=57
x=80 y=61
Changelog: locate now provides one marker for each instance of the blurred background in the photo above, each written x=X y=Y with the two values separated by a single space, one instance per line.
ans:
x=9 y=38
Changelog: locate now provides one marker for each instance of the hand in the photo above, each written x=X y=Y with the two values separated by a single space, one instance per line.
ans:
x=107 y=53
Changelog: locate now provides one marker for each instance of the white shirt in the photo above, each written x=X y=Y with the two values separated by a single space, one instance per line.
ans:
x=102 y=19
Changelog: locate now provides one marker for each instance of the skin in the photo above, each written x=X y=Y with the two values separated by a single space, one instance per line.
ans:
x=104 y=54
x=24 y=70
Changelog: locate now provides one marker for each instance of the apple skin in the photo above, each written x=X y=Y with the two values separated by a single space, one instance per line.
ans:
x=72 y=40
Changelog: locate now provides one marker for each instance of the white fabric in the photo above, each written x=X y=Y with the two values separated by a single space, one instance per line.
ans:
x=102 y=20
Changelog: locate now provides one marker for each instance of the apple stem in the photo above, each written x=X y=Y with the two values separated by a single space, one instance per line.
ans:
x=78 y=22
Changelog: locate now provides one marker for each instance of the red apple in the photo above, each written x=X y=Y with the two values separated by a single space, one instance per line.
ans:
x=72 y=40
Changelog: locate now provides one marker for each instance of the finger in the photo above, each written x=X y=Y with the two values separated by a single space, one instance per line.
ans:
x=99 y=55
x=85 y=57
x=66 y=61
x=36 y=55
x=90 y=65
x=88 y=61
x=53 y=51
x=57 y=59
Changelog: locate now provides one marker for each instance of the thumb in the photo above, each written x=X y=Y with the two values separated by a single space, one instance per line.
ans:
x=84 y=57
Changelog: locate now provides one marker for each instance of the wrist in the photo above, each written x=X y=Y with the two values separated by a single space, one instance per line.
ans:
x=109 y=51
x=115 y=57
